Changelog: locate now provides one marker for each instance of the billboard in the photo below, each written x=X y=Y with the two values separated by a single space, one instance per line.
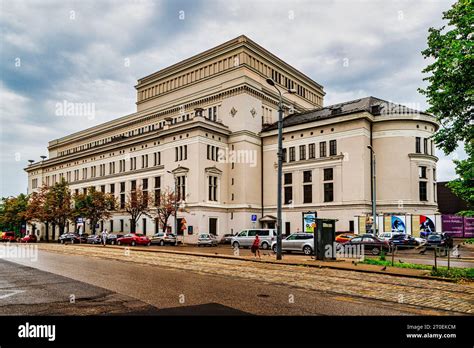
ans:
x=423 y=225
x=469 y=227
x=453 y=224
x=309 y=222
x=398 y=223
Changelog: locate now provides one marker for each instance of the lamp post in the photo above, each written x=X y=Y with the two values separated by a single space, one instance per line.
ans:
x=280 y=164
x=175 y=207
x=42 y=169
x=374 y=202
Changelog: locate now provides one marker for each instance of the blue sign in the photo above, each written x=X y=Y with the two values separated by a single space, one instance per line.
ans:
x=254 y=217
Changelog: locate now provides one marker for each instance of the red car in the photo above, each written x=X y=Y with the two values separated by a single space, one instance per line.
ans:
x=134 y=239
x=31 y=238
x=8 y=237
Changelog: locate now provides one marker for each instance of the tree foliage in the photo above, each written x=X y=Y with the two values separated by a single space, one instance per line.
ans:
x=450 y=90
x=463 y=186
x=138 y=203
x=13 y=211
x=94 y=206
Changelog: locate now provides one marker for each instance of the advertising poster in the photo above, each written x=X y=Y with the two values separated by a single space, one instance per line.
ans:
x=453 y=225
x=423 y=225
x=469 y=227
x=361 y=224
x=398 y=223
x=309 y=222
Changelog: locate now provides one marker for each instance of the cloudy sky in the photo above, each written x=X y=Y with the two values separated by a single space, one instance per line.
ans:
x=94 y=51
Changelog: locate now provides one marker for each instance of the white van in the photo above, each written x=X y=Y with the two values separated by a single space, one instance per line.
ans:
x=245 y=238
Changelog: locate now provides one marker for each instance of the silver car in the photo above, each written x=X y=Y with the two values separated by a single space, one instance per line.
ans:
x=162 y=238
x=207 y=239
x=299 y=242
x=245 y=238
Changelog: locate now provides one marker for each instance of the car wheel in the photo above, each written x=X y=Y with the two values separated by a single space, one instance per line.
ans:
x=112 y=242
x=148 y=244
x=162 y=242
x=375 y=251
x=119 y=243
x=265 y=246
x=307 y=250
x=61 y=241
x=274 y=248
x=236 y=245
x=133 y=243
x=72 y=241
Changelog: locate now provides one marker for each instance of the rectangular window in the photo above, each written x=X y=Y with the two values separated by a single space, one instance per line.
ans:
x=181 y=187
x=121 y=225
x=425 y=146
x=288 y=195
x=288 y=179
x=157 y=190
x=212 y=189
x=111 y=226
x=307 y=193
x=328 y=174
x=332 y=148
x=422 y=189
x=422 y=172
x=322 y=149
x=284 y=159
x=328 y=192
x=312 y=151
x=307 y=176
x=302 y=152
x=292 y=154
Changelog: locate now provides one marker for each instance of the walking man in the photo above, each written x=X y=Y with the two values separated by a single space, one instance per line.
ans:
x=256 y=247
x=104 y=237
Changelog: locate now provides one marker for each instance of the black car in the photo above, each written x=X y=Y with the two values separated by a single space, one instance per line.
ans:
x=94 y=239
x=226 y=239
x=112 y=238
x=440 y=240
x=72 y=238
x=403 y=241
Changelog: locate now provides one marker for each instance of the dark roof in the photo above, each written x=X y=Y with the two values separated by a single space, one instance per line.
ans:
x=372 y=105
x=448 y=202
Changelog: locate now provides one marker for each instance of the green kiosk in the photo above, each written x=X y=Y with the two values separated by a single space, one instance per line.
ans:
x=324 y=239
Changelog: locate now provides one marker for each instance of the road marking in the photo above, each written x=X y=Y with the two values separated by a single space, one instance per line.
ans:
x=11 y=293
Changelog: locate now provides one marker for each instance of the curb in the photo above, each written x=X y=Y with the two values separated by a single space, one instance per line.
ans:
x=239 y=258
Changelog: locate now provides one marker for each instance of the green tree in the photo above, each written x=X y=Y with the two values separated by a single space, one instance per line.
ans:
x=138 y=203
x=58 y=204
x=450 y=91
x=94 y=206
x=463 y=186
x=13 y=212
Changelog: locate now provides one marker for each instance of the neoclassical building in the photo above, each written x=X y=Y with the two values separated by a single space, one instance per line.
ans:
x=207 y=124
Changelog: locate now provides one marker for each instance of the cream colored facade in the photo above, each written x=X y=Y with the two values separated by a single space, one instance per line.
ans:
x=219 y=100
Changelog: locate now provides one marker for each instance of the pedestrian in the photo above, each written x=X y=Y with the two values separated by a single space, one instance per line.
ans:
x=256 y=247
x=104 y=237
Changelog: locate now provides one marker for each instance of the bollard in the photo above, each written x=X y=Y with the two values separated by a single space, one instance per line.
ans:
x=435 y=261
x=448 y=256
x=393 y=253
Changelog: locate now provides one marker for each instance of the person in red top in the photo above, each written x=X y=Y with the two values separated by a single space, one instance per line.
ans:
x=256 y=247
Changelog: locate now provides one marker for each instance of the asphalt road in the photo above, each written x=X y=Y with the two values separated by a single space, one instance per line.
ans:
x=161 y=290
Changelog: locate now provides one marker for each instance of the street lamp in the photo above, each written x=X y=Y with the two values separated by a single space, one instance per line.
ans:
x=280 y=163
x=175 y=207
x=374 y=214
x=42 y=169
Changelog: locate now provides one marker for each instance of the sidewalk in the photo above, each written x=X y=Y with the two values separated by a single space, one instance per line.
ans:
x=345 y=265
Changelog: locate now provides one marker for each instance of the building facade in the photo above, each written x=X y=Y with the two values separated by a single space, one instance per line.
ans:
x=207 y=124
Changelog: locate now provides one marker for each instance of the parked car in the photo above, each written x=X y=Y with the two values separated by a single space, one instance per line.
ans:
x=369 y=242
x=134 y=239
x=31 y=238
x=94 y=239
x=112 y=238
x=72 y=238
x=403 y=241
x=207 y=239
x=8 y=237
x=245 y=238
x=299 y=242
x=441 y=240
x=162 y=238
x=344 y=237
x=227 y=238
x=388 y=235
